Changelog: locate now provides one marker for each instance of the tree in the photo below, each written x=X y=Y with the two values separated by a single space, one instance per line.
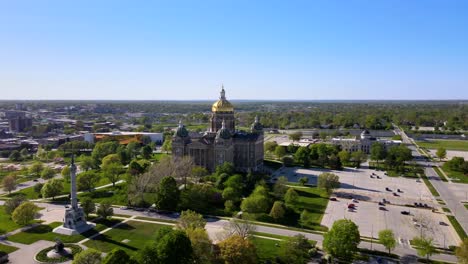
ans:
x=358 y=157
x=102 y=149
x=87 y=163
x=146 y=152
x=190 y=220
x=66 y=173
x=201 y=244
x=342 y=240
x=295 y=136
x=134 y=168
x=303 y=181
x=88 y=256
x=277 y=211
x=344 y=156
x=47 y=173
x=13 y=203
x=296 y=250
x=167 y=195
x=240 y=228
x=462 y=252
x=387 y=238
x=280 y=187
x=112 y=171
x=118 y=256
x=302 y=156
x=287 y=161
x=167 y=145
x=291 y=197
x=280 y=152
x=24 y=153
x=36 y=168
x=257 y=202
x=38 y=188
x=377 y=151
x=270 y=146
x=88 y=206
x=199 y=172
x=105 y=210
x=424 y=246
x=328 y=181
x=24 y=213
x=9 y=183
x=175 y=247
x=87 y=180
x=52 y=188
x=441 y=153
x=232 y=194
x=109 y=159
x=236 y=249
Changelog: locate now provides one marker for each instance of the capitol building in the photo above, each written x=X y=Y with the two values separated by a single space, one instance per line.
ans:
x=222 y=142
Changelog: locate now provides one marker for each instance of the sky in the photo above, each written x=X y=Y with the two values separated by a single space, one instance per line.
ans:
x=270 y=50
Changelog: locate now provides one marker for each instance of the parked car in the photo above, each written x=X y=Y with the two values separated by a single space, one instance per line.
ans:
x=333 y=199
x=381 y=204
x=405 y=212
x=382 y=208
x=443 y=223
x=388 y=189
x=395 y=194
x=355 y=201
x=351 y=206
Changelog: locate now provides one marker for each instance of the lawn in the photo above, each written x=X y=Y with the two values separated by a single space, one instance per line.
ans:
x=447 y=144
x=137 y=233
x=456 y=225
x=429 y=185
x=315 y=201
x=117 y=195
x=441 y=175
x=7 y=249
x=44 y=232
x=7 y=224
x=267 y=249
x=456 y=176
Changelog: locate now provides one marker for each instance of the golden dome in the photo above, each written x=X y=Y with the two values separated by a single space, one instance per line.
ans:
x=222 y=105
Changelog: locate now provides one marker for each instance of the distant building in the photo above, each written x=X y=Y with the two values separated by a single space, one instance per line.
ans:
x=222 y=142
x=362 y=143
x=124 y=137
x=18 y=121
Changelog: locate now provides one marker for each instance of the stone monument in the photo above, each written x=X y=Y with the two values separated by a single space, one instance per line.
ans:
x=75 y=220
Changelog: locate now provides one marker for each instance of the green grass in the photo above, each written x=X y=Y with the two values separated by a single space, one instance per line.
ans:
x=447 y=144
x=445 y=209
x=429 y=185
x=456 y=176
x=441 y=175
x=7 y=224
x=117 y=195
x=315 y=201
x=44 y=232
x=466 y=206
x=456 y=225
x=139 y=234
x=267 y=249
x=155 y=219
x=7 y=249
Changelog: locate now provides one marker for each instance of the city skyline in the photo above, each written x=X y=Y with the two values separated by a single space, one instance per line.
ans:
x=325 y=50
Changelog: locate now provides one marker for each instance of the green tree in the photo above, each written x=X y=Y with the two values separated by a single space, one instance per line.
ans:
x=134 y=168
x=15 y=156
x=175 y=247
x=146 y=152
x=201 y=244
x=287 y=161
x=302 y=156
x=9 y=183
x=344 y=156
x=12 y=203
x=441 y=153
x=295 y=250
x=199 y=172
x=66 y=173
x=424 y=246
x=112 y=171
x=88 y=206
x=277 y=211
x=118 y=256
x=280 y=151
x=87 y=180
x=328 y=181
x=462 y=252
x=255 y=204
x=25 y=213
x=190 y=220
x=167 y=195
x=88 y=256
x=291 y=197
x=303 y=180
x=52 y=188
x=270 y=146
x=87 y=163
x=47 y=173
x=167 y=145
x=296 y=136
x=110 y=159
x=358 y=157
x=226 y=167
x=36 y=168
x=105 y=210
x=102 y=149
x=38 y=188
x=232 y=194
x=342 y=240
x=280 y=188
x=377 y=151
x=235 y=250
x=387 y=238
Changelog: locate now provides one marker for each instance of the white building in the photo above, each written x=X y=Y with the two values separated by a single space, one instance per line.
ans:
x=362 y=143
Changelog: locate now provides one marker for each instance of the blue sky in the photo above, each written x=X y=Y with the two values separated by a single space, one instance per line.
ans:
x=258 y=49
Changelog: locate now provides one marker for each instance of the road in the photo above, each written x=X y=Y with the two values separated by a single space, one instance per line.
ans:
x=443 y=188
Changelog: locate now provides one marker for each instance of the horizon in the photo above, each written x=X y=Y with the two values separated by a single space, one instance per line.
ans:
x=266 y=50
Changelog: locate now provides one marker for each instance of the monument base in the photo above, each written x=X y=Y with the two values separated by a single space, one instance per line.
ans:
x=78 y=230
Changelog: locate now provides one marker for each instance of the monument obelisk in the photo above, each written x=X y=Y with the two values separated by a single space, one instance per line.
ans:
x=75 y=220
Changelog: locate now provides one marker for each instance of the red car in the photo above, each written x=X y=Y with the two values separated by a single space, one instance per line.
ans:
x=351 y=206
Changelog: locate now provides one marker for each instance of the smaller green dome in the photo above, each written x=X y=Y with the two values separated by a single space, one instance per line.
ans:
x=223 y=133
x=256 y=127
x=181 y=130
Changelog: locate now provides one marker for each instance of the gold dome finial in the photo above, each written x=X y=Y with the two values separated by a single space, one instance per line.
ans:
x=222 y=105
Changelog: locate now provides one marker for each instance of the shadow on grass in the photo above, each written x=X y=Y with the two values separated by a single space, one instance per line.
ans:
x=125 y=226
x=105 y=239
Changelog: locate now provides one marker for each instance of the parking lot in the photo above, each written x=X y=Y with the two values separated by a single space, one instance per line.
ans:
x=358 y=184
